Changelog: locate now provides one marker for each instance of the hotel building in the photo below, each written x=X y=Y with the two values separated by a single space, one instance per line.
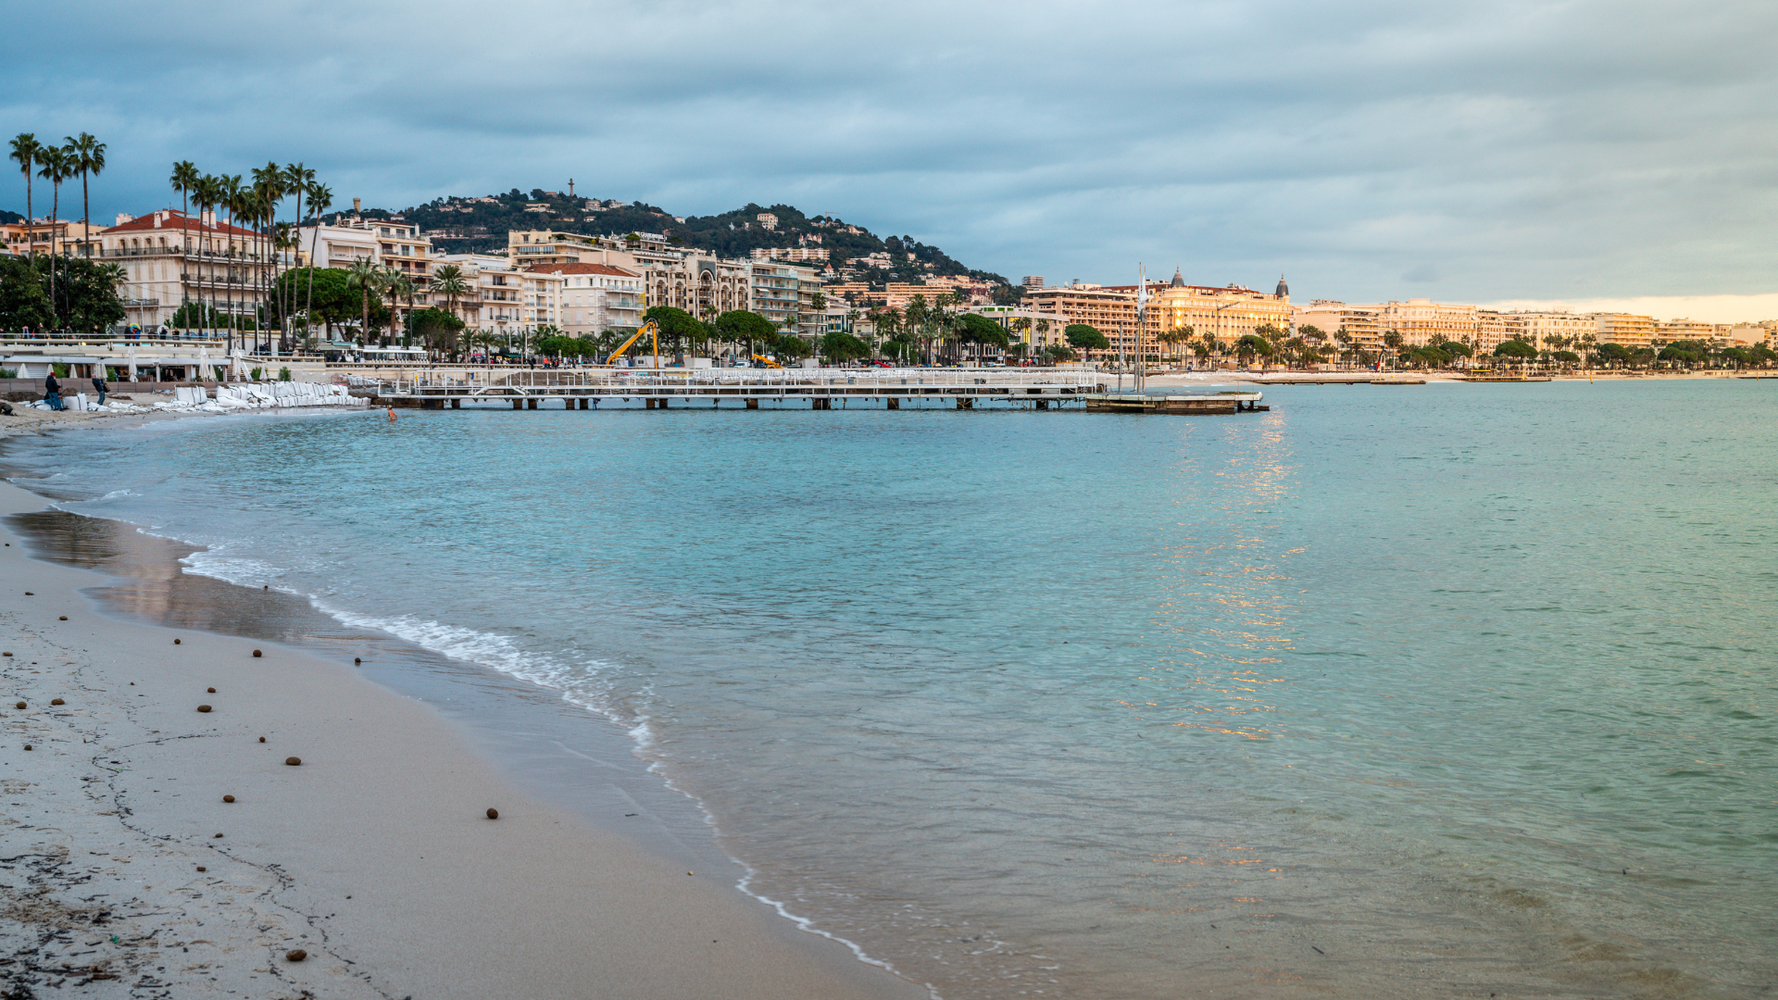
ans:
x=170 y=259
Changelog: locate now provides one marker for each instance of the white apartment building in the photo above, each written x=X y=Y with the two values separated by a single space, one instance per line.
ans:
x=1546 y=330
x=503 y=299
x=388 y=242
x=785 y=295
x=596 y=297
x=1330 y=317
x=170 y=259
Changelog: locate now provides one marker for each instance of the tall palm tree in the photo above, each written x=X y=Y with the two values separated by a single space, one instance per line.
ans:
x=368 y=278
x=268 y=189
x=183 y=179
x=396 y=285
x=320 y=200
x=55 y=169
x=25 y=152
x=297 y=179
x=87 y=157
x=206 y=192
x=448 y=281
x=235 y=198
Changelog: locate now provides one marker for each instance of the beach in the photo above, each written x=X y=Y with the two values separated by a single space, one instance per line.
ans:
x=128 y=873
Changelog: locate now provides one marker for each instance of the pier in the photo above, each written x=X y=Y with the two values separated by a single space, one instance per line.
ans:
x=811 y=389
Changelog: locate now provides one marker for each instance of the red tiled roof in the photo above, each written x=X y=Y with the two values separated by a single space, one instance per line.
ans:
x=178 y=220
x=583 y=269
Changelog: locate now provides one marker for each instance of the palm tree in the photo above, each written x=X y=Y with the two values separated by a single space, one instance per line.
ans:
x=235 y=199
x=448 y=281
x=25 y=152
x=320 y=200
x=297 y=179
x=1392 y=339
x=368 y=278
x=87 y=157
x=55 y=169
x=395 y=285
x=206 y=192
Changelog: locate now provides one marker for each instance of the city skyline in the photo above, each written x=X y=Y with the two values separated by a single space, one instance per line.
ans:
x=1380 y=151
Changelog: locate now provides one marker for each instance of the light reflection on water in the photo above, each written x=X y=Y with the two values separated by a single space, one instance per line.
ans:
x=1391 y=694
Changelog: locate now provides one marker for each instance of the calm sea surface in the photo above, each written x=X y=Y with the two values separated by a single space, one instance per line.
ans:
x=1440 y=690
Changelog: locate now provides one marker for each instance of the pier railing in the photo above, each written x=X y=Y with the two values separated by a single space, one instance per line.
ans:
x=555 y=381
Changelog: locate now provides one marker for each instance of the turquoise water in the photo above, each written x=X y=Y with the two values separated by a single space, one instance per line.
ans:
x=1393 y=690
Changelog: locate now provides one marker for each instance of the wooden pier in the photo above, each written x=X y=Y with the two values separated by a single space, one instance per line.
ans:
x=1205 y=404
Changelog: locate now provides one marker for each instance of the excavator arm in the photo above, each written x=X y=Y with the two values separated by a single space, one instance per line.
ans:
x=644 y=330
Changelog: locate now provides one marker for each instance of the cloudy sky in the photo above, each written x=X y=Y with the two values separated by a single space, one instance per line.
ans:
x=1372 y=149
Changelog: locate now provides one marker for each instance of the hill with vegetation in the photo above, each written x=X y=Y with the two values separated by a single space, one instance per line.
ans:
x=480 y=224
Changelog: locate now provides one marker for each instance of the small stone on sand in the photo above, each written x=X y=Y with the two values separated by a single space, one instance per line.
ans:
x=355 y=659
x=493 y=814
x=64 y=618
x=203 y=708
x=262 y=739
x=217 y=837
x=19 y=705
x=211 y=690
x=257 y=653
x=5 y=654
x=29 y=594
x=296 y=955
x=228 y=798
x=293 y=761
x=27 y=746
x=202 y=868
x=57 y=701
x=175 y=642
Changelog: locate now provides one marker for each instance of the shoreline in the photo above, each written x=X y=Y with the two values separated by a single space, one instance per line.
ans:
x=386 y=808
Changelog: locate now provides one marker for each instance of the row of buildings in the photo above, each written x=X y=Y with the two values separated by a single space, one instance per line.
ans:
x=585 y=284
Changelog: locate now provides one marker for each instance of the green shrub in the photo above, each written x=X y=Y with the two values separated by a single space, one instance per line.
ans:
x=284 y=374
x=255 y=373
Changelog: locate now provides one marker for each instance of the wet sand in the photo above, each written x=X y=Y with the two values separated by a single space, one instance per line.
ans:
x=375 y=854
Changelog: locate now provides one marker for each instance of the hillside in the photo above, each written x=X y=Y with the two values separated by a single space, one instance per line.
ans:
x=469 y=224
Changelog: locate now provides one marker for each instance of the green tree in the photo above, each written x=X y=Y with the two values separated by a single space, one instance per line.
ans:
x=843 y=347
x=1060 y=352
x=1515 y=350
x=1689 y=353
x=1250 y=346
x=679 y=329
x=739 y=326
x=320 y=200
x=1085 y=338
x=367 y=277
x=25 y=152
x=86 y=155
x=789 y=345
x=435 y=328
x=397 y=286
x=24 y=301
x=55 y=168
x=977 y=329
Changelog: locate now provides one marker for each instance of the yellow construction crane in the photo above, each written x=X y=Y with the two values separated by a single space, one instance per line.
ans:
x=767 y=362
x=650 y=328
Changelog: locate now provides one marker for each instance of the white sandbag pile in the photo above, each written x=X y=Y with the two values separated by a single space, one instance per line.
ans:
x=275 y=395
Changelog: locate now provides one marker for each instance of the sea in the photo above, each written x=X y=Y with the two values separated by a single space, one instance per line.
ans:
x=1393 y=691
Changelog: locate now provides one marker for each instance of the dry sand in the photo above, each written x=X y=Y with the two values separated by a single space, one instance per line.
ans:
x=123 y=872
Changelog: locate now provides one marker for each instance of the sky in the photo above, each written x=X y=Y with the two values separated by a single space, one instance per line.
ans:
x=1490 y=151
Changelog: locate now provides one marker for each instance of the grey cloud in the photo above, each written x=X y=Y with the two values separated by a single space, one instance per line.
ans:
x=1530 y=149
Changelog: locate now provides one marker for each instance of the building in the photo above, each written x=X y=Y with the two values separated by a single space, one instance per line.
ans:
x=387 y=242
x=1627 y=329
x=171 y=259
x=1111 y=312
x=1025 y=325
x=1228 y=313
x=1032 y=281
x=1330 y=317
x=790 y=253
x=1670 y=330
x=37 y=237
x=700 y=283
x=503 y=299
x=785 y=295
x=596 y=297
x=1547 y=330
x=1421 y=322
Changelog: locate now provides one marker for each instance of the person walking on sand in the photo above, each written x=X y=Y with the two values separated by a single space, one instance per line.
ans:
x=52 y=392
x=100 y=385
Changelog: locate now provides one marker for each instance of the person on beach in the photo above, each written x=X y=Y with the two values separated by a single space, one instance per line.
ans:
x=100 y=385
x=52 y=392
x=391 y=414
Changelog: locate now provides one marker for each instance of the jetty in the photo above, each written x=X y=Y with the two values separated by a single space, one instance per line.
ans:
x=792 y=388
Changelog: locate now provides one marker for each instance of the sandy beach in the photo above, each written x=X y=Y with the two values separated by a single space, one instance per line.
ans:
x=128 y=872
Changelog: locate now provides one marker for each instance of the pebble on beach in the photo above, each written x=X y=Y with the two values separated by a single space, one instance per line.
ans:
x=5 y=654
x=217 y=837
x=202 y=868
x=262 y=739
x=293 y=761
x=211 y=690
x=57 y=701
x=203 y=708
x=27 y=746
x=175 y=642
x=296 y=954
x=228 y=798
x=19 y=705
x=257 y=653
x=64 y=618
x=493 y=814
x=355 y=660
x=29 y=594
